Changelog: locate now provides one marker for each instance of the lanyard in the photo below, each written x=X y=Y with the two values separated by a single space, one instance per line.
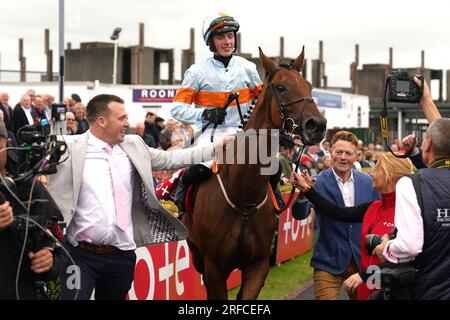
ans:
x=443 y=163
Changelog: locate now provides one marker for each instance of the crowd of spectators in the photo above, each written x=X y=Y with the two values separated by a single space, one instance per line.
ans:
x=168 y=134
x=316 y=158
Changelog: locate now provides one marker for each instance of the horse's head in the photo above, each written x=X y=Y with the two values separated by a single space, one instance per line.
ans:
x=293 y=109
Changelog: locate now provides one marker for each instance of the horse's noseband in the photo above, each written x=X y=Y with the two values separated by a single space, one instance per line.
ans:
x=282 y=105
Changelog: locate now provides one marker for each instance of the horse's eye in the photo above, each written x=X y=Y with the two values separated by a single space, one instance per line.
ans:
x=281 y=88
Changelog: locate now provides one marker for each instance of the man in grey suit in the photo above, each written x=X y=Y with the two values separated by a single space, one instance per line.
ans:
x=106 y=224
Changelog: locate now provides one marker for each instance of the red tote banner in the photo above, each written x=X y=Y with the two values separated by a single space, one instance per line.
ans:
x=295 y=237
x=166 y=272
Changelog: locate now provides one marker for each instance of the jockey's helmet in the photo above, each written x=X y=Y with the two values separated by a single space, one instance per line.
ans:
x=218 y=23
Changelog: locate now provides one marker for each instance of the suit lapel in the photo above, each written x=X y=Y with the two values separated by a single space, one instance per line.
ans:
x=332 y=187
x=358 y=188
x=78 y=151
x=140 y=161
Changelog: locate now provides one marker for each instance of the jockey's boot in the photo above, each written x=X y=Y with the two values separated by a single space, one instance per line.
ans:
x=196 y=173
x=274 y=179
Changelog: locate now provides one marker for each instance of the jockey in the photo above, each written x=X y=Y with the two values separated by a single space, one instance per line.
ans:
x=205 y=90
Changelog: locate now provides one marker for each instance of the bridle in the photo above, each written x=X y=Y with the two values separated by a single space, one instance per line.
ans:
x=283 y=104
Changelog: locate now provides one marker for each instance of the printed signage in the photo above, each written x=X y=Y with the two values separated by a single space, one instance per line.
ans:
x=327 y=100
x=154 y=95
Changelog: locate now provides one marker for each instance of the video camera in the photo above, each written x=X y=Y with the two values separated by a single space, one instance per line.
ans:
x=35 y=213
x=402 y=87
x=36 y=146
x=38 y=153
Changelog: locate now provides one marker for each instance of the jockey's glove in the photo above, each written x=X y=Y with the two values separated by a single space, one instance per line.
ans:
x=216 y=115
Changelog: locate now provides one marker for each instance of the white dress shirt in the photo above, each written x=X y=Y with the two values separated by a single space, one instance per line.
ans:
x=94 y=219
x=408 y=220
x=347 y=189
x=28 y=114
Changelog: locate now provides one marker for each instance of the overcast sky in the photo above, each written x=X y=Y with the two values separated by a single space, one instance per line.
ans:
x=407 y=26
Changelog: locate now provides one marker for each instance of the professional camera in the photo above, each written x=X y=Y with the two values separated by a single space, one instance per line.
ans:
x=373 y=240
x=402 y=87
x=395 y=281
x=34 y=210
x=38 y=154
x=395 y=278
x=37 y=146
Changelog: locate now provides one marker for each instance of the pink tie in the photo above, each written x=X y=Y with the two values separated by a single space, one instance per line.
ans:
x=119 y=195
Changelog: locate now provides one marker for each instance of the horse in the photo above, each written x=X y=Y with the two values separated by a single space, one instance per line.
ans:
x=233 y=224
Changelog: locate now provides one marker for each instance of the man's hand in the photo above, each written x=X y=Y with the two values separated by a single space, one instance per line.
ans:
x=41 y=261
x=303 y=180
x=410 y=143
x=43 y=179
x=427 y=103
x=426 y=94
x=378 y=251
x=216 y=115
x=6 y=215
x=353 y=282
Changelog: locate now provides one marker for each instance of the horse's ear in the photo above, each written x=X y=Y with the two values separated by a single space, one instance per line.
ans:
x=268 y=64
x=298 y=63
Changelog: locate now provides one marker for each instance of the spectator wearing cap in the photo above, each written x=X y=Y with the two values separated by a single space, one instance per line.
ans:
x=307 y=163
x=74 y=99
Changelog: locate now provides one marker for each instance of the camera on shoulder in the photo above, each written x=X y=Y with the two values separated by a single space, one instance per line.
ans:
x=402 y=87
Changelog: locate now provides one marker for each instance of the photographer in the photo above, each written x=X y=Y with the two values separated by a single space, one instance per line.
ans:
x=422 y=216
x=40 y=261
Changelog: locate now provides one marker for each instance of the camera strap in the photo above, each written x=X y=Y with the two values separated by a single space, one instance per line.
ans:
x=384 y=123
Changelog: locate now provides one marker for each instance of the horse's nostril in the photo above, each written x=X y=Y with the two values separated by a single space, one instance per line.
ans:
x=311 y=125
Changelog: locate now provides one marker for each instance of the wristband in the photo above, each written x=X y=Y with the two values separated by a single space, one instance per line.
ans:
x=306 y=189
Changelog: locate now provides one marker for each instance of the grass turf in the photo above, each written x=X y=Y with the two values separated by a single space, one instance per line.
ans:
x=284 y=279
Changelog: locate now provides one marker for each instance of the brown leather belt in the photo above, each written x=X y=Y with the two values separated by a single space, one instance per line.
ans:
x=102 y=249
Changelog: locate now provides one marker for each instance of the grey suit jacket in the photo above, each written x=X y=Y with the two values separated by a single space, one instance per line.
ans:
x=151 y=222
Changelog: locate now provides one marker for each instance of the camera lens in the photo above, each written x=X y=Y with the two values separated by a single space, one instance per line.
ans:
x=372 y=240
